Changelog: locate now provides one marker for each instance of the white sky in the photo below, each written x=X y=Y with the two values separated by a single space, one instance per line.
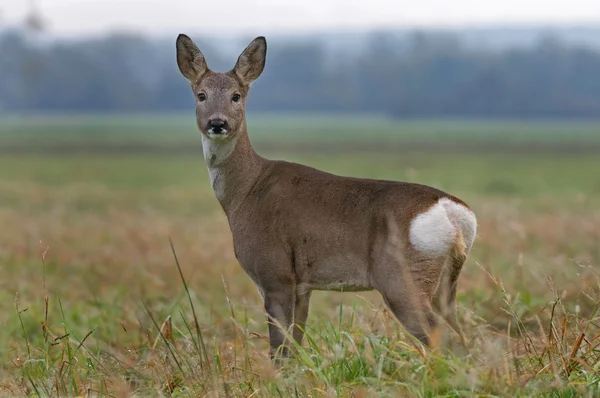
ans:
x=221 y=17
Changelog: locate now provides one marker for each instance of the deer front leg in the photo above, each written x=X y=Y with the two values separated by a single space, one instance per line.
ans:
x=300 y=315
x=279 y=308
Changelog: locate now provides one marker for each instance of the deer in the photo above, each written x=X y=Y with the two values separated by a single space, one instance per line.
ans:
x=297 y=229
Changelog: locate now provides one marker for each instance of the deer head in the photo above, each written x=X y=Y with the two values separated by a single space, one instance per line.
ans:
x=221 y=97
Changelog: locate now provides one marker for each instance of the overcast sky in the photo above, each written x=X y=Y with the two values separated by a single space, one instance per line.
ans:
x=221 y=17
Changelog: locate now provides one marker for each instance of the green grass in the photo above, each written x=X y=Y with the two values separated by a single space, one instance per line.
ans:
x=88 y=276
x=313 y=131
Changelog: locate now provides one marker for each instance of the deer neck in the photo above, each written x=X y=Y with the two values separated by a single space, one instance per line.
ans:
x=233 y=168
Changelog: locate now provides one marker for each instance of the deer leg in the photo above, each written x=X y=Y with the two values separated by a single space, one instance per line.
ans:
x=444 y=299
x=300 y=315
x=406 y=295
x=279 y=308
x=418 y=320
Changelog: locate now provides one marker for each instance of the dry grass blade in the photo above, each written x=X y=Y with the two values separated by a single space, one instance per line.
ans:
x=574 y=350
x=199 y=341
x=88 y=334
x=166 y=330
x=167 y=344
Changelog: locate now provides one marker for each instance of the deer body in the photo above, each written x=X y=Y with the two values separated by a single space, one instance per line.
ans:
x=297 y=229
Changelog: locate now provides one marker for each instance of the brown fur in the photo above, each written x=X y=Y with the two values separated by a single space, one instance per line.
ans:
x=296 y=228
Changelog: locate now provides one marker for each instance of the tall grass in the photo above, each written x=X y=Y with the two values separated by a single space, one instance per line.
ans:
x=95 y=301
x=555 y=352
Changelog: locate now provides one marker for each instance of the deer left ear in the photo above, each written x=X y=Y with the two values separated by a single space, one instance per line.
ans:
x=190 y=59
x=251 y=62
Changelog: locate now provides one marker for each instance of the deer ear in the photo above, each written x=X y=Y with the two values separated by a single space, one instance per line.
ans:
x=251 y=62
x=190 y=60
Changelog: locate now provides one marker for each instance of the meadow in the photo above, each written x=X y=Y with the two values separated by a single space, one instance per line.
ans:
x=94 y=300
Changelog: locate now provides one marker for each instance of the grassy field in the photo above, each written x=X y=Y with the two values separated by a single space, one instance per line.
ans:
x=147 y=132
x=89 y=277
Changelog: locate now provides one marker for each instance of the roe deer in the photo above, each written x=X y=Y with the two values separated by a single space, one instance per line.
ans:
x=296 y=229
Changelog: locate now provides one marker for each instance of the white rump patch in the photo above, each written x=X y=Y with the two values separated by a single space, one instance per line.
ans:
x=431 y=232
x=462 y=218
x=434 y=232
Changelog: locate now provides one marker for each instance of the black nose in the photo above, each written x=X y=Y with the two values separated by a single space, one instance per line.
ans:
x=217 y=126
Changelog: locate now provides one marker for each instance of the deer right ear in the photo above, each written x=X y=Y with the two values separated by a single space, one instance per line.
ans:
x=190 y=60
x=251 y=62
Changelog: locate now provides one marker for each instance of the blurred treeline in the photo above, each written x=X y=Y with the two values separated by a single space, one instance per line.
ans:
x=418 y=74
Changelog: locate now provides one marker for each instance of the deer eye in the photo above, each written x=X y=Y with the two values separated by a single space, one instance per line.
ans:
x=201 y=97
x=236 y=97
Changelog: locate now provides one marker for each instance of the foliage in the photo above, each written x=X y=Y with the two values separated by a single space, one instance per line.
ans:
x=413 y=75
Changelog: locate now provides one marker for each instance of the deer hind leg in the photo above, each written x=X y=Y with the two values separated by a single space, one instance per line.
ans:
x=413 y=312
x=418 y=320
x=433 y=283
x=465 y=224
x=444 y=298
x=442 y=237
x=407 y=292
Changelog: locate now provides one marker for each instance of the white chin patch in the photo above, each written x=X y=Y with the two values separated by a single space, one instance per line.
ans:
x=217 y=136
